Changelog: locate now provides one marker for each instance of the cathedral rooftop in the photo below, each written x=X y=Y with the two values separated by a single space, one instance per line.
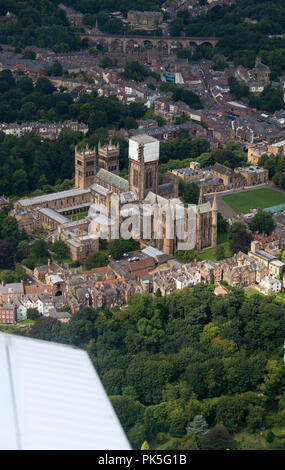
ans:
x=114 y=180
x=30 y=201
x=144 y=139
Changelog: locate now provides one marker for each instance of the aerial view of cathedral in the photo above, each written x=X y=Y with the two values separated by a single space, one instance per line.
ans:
x=97 y=184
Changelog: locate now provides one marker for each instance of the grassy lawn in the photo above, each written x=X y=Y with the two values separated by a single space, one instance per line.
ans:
x=78 y=216
x=251 y=292
x=281 y=296
x=255 y=199
x=210 y=253
x=222 y=238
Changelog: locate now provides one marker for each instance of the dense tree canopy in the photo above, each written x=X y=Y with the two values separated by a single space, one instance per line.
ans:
x=166 y=360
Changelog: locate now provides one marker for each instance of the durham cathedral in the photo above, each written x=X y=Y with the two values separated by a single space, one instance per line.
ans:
x=101 y=201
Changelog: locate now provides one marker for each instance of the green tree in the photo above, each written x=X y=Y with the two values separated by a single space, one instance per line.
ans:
x=220 y=252
x=32 y=313
x=241 y=242
x=270 y=436
x=39 y=249
x=118 y=247
x=95 y=260
x=198 y=426
x=7 y=255
x=255 y=417
x=61 y=249
x=191 y=193
x=145 y=446
x=272 y=379
x=128 y=410
x=9 y=230
x=262 y=222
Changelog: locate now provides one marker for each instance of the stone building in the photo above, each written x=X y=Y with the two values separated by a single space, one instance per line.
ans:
x=85 y=167
x=98 y=189
x=253 y=175
x=108 y=157
x=278 y=148
x=145 y=20
x=254 y=154
x=230 y=178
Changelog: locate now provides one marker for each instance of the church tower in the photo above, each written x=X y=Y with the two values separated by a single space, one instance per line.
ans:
x=85 y=167
x=108 y=157
x=143 y=165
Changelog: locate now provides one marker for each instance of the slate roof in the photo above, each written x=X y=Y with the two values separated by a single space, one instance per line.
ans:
x=114 y=180
x=164 y=189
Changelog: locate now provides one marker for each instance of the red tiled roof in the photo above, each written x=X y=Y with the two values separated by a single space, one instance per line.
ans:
x=220 y=291
x=141 y=273
x=38 y=290
x=139 y=265
x=103 y=270
x=110 y=281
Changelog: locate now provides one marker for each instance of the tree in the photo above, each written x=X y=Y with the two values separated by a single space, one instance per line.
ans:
x=238 y=89
x=255 y=417
x=185 y=256
x=118 y=247
x=189 y=443
x=198 y=426
x=218 y=438
x=20 y=181
x=107 y=62
x=274 y=374
x=241 y=242
x=45 y=86
x=145 y=446
x=270 y=436
x=262 y=222
x=231 y=411
x=32 y=313
x=29 y=54
x=95 y=260
x=54 y=70
x=9 y=230
x=191 y=193
x=60 y=249
x=45 y=328
x=222 y=224
x=220 y=252
x=39 y=249
x=7 y=255
x=128 y=410
x=235 y=229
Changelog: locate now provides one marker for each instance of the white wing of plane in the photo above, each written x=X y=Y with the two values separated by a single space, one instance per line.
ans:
x=51 y=398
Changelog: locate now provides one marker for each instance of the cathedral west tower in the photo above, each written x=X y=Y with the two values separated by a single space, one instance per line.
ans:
x=85 y=167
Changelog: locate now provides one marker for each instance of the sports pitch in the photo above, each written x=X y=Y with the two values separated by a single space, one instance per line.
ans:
x=255 y=199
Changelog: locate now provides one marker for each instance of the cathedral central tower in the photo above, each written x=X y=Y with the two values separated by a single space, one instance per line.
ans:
x=143 y=165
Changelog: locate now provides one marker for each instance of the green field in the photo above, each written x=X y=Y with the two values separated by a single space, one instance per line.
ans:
x=251 y=292
x=210 y=253
x=256 y=199
x=78 y=216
